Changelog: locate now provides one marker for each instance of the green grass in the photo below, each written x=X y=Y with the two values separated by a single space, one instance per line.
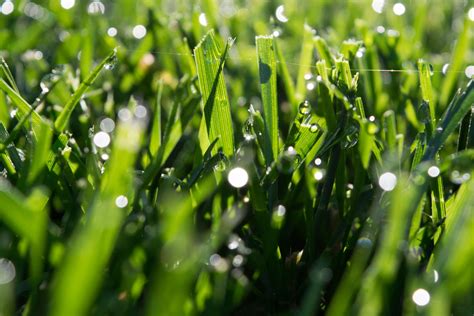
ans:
x=352 y=146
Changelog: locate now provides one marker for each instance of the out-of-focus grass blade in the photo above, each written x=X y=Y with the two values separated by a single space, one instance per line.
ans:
x=24 y=108
x=63 y=118
x=155 y=138
x=323 y=51
x=210 y=64
x=451 y=118
x=383 y=269
x=7 y=73
x=267 y=72
x=286 y=78
x=304 y=62
x=92 y=245
x=26 y=219
x=463 y=43
x=40 y=153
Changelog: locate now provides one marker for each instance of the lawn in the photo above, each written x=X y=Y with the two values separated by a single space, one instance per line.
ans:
x=236 y=157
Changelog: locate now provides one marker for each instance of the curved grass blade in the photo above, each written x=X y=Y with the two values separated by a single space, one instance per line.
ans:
x=63 y=118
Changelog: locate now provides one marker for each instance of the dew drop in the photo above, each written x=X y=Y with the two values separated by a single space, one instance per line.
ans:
x=112 y=31
x=96 y=8
x=377 y=5
x=121 y=201
x=469 y=71
x=238 y=261
x=380 y=29
x=68 y=4
x=124 y=114
x=141 y=112
x=364 y=242
x=433 y=171
x=203 y=19
x=238 y=177
x=304 y=108
x=388 y=181
x=101 y=139
x=445 y=68
x=218 y=263
x=470 y=14
x=318 y=161
x=7 y=7
x=399 y=9
x=421 y=297
x=280 y=14
x=107 y=125
x=310 y=86
x=7 y=271
x=314 y=128
x=318 y=174
x=139 y=31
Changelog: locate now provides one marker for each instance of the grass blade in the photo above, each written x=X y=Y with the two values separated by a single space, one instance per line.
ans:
x=267 y=71
x=93 y=243
x=63 y=118
x=210 y=64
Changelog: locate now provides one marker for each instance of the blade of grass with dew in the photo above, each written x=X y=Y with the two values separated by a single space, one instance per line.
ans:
x=267 y=74
x=306 y=57
x=40 y=152
x=24 y=108
x=215 y=102
x=451 y=118
x=63 y=118
x=92 y=244
x=155 y=138
x=8 y=75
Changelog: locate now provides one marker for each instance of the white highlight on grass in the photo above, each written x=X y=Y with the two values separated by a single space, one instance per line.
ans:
x=445 y=68
x=139 y=31
x=388 y=181
x=101 y=139
x=141 y=111
x=96 y=8
x=112 y=32
x=238 y=177
x=121 y=201
x=280 y=211
x=399 y=9
x=421 y=297
x=68 y=4
x=377 y=5
x=7 y=271
x=469 y=71
x=280 y=14
x=107 y=125
x=470 y=14
x=7 y=7
x=433 y=171
x=203 y=19
x=435 y=276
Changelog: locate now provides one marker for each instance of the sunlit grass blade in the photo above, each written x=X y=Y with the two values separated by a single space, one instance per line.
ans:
x=215 y=102
x=267 y=72
x=92 y=244
x=63 y=119
x=463 y=45
x=24 y=108
x=7 y=74
x=450 y=120
x=306 y=57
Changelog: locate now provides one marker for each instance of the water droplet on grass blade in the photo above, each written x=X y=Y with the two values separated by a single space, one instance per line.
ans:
x=96 y=8
x=469 y=71
x=112 y=31
x=7 y=271
x=470 y=14
x=202 y=19
x=101 y=139
x=107 y=125
x=445 y=68
x=218 y=263
x=433 y=171
x=121 y=201
x=388 y=181
x=238 y=177
x=399 y=9
x=68 y=4
x=314 y=128
x=7 y=7
x=421 y=297
x=304 y=108
x=377 y=5
x=139 y=31
x=280 y=14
